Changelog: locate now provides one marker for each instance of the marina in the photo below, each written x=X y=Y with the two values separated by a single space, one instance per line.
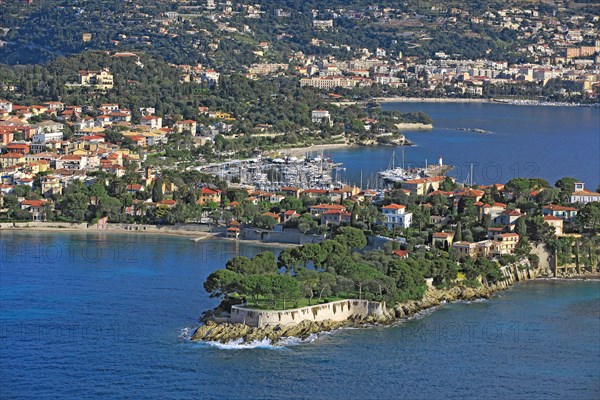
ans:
x=314 y=172
x=274 y=173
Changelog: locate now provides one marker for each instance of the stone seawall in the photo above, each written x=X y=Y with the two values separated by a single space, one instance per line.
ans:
x=341 y=310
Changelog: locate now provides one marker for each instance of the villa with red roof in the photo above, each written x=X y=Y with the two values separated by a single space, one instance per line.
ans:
x=567 y=214
x=319 y=209
x=208 y=195
x=395 y=216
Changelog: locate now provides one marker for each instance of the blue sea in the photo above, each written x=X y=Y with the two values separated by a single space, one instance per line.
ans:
x=107 y=316
x=524 y=141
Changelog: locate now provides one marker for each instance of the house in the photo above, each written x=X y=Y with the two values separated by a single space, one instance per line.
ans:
x=567 y=214
x=50 y=185
x=208 y=195
x=102 y=79
x=335 y=217
x=6 y=189
x=475 y=194
x=54 y=106
x=25 y=182
x=10 y=159
x=275 y=216
x=167 y=203
x=276 y=198
x=6 y=107
x=400 y=253
x=442 y=240
x=438 y=220
x=507 y=217
x=151 y=121
x=321 y=116
x=465 y=249
x=36 y=209
x=505 y=243
x=319 y=209
x=289 y=214
x=71 y=162
x=555 y=223
x=186 y=125
x=395 y=215
x=18 y=147
x=493 y=210
x=422 y=186
x=134 y=188
x=314 y=193
x=7 y=135
x=291 y=191
x=583 y=196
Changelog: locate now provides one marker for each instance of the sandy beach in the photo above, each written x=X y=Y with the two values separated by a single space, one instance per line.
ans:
x=300 y=151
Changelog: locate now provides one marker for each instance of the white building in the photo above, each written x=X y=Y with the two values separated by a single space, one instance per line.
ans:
x=583 y=196
x=319 y=116
x=151 y=121
x=45 y=137
x=5 y=106
x=395 y=215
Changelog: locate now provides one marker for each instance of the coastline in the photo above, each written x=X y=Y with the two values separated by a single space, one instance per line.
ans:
x=537 y=103
x=219 y=330
x=300 y=151
x=150 y=230
x=83 y=228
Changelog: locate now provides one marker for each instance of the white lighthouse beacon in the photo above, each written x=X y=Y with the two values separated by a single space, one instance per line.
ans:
x=440 y=161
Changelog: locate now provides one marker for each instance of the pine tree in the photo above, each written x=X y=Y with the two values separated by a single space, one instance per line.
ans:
x=458 y=233
x=157 y=193
x=521 y=227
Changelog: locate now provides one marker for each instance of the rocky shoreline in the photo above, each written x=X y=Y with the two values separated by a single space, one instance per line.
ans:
x=226 y=332
x=221 y=331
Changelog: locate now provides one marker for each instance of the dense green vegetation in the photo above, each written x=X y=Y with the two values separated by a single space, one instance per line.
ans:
x=149 y=82
x=49 y=29
x=337 y=268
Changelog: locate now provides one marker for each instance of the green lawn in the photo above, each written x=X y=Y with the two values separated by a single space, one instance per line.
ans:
x=266 y=304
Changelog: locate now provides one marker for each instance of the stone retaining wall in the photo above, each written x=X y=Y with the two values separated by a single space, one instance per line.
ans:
x=340 y=310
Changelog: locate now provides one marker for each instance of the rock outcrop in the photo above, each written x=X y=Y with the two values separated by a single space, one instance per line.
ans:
x=226 y=332
x=435 y=297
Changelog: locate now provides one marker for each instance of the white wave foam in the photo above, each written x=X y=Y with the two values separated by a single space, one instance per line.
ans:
x=185 y=334
x=481 y=300
x=239 y=344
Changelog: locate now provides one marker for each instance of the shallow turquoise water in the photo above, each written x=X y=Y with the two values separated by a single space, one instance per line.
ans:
x=100 y=316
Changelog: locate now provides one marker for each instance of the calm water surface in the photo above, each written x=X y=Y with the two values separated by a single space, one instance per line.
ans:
x=99 y=316
x=525 y=141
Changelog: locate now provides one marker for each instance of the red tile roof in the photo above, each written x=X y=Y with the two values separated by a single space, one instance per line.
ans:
x=400 y=253
x=394 y=206
x=556 y=207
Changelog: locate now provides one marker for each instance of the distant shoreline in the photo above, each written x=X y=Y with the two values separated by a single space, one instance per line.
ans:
x=383 y=100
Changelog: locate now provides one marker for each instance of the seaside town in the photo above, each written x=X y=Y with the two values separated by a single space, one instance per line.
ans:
x=60 y=164
x=511 y=51
x=403 y=194
x=236 y=147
